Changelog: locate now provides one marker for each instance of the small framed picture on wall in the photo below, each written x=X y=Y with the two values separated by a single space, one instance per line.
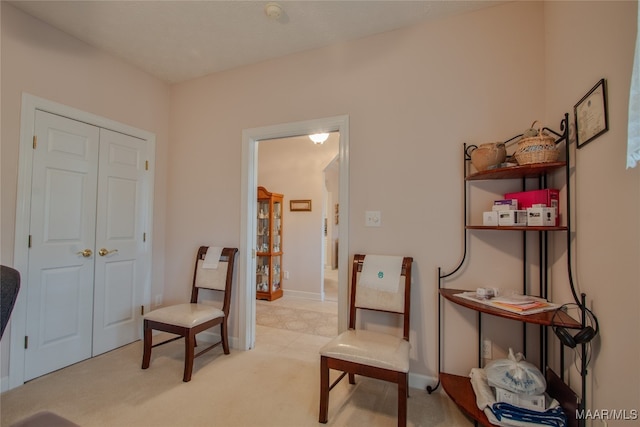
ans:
x=591 y=114
x=300 y=205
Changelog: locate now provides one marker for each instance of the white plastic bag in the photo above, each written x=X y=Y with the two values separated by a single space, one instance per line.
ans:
x=516 y=375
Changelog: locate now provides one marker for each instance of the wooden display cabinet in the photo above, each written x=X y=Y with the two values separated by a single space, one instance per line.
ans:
x=269 y=245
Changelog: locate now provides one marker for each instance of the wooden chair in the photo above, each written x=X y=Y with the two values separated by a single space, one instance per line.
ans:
x=187 y=320
x=366 y=352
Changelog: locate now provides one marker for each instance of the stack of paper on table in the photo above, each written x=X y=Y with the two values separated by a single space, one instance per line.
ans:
x=520 y=304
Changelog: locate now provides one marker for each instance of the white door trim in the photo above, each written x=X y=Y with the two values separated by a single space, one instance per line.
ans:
x=249 y=182
x=30 y=104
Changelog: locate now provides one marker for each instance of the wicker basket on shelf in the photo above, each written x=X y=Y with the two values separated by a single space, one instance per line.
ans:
x=540 y=148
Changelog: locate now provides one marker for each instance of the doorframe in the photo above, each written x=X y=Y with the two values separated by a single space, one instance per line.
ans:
x=330 y=216
x=249 y=183
x=31 y=103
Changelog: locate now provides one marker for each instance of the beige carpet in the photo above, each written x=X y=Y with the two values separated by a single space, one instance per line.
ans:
x=331 y=284
x=298 y=320
x=275 y=384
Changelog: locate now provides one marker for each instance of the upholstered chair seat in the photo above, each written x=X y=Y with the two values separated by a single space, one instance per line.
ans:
x=213 y=273
x=370 y=348
x=379 y=284
x=185 y=315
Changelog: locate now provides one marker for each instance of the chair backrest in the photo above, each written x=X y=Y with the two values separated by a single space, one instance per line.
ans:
x=9 y=287
x=217 y=279
x=381 y=283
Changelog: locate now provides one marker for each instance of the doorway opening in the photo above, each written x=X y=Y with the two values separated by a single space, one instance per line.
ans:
x=293 y=257
x=295 y=168
x=247 y=261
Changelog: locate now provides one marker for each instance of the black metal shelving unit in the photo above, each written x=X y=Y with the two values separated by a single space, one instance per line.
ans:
x=458 y=387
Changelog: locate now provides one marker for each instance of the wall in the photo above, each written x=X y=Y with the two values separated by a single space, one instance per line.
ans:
x=587 y=41
x=294 y=167
x=412 y=100
x=44 y=62
x=413 y=97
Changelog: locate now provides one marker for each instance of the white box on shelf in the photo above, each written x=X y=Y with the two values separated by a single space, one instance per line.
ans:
x=512 y=218
x=536 y=402
x=490 y=218
x=505 y=205
x=544 y=217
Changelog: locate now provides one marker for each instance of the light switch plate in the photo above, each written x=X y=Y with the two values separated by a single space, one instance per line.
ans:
x=373 y=219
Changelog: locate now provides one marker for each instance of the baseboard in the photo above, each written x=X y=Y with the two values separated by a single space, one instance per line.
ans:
x=415 y=380
x=212 y=337
x=421 y=381
x=418 y=381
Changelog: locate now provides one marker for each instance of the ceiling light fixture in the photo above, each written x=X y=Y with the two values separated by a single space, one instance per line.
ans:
x=319 y=138
x=273 y=11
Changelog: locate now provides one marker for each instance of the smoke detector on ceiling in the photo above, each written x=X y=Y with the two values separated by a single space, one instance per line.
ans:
x=273 y=11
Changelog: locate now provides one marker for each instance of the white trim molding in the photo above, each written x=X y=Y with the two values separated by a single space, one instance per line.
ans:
x=30 y=104
x=250 y=138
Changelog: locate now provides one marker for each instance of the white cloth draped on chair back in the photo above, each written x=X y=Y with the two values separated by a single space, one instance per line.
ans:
x=382 y=284
x=189 y=319
x=387 y=295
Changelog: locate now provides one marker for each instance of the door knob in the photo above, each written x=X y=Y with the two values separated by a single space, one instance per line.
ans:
x=105 y=251
x=86 y=253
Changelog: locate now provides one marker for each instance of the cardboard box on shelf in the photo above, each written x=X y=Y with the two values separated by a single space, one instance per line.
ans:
x=539 y=216
x=536 y=402
x=490 y=218
x=505 y=205
x=512 y=218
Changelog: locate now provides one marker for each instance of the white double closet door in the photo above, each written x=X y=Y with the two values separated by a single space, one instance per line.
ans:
x=87 y=236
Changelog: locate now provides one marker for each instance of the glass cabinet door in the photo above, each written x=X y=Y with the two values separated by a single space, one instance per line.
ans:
x=277 y=276
x=269 y=245
x=262 y=274
x=277 y=227
x=264 y=227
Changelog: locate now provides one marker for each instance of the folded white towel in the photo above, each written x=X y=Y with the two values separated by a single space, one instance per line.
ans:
x=381 y=272
x=212 y=257
x=486 y=399
x=484 y=395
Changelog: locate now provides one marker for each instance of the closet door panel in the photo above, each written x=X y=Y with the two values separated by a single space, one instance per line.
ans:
x=62 y=234
x=120 y=240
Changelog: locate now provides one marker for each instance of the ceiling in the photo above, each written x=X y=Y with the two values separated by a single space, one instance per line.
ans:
x=181 y=40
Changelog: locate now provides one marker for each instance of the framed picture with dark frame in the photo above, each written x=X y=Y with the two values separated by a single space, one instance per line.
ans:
x=300 y=205
x=591 y=114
